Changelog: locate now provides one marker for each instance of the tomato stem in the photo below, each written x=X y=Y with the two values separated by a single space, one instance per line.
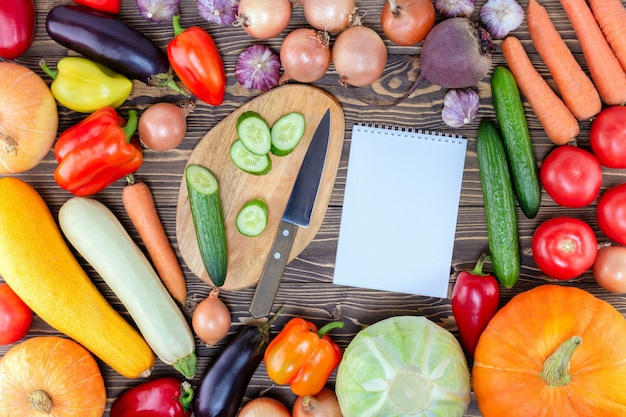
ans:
x=556 y=367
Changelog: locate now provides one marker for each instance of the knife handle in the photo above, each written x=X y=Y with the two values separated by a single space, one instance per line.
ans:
x=267 y=287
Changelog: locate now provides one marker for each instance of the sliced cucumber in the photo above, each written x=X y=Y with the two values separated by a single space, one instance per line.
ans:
x=254 y=132
x=287 y=133
x=252 y=218
x=248 y=161
x=208 y=221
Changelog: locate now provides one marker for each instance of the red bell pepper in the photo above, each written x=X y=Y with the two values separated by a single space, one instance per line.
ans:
x=302 y=356
x=97 y=152
x=475 y=300
x=162 y=397
x=107 y=6
x=17 y=27
x=194 y=57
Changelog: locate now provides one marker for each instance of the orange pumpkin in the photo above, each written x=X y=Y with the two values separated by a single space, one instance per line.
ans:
x=50 y=375
x=552 y=351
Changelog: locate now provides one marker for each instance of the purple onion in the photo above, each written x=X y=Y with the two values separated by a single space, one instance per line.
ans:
x=258 y=67
x=220 y=12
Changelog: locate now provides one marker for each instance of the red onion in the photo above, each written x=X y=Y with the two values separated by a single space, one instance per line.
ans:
x=158 y=10
x=359 y=55
x=221 y=12
x=331 y=16
x=258 y=67
x=305 y=55
x=264 y=19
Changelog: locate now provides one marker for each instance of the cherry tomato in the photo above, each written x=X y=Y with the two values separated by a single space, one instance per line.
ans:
x=611 y=213
x=564 y=247
x=609 y=269
x=15 y=316
x=571 y=176
x=607 y=137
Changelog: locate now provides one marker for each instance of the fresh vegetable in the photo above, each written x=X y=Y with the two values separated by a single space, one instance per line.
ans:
x=557 y=120
x=43 y=272
x=264 y=407
x=211 y=319
x=100 y=238
x=197 y=62
x=455 y=8
x=96 y=152
x=141 y=210
x=208 y=220
x=158 y=10
x=107 y=6
x=254 y=132
x=161 y=397
x=50 y=375
x=403 y=365
x=606 y=72
x=574 y=86
x=252 y=218
x=552 y=350
x=572 y=176
x=29 y=118
x=359 y=55
x=610 y=14
x=85 y=86
x=220 y=12
x=516 y=139
x=248 y=161
x=407 y=22
x=564 y=247
x=609 y=268
x=501 y=17
x=162 y=126
x=15 y=316
x=460 y=107
x=610 y=213
x=305 y=55
x=499 y=201
x=286 y=133
x=475 y=300
x=17 y=27
x=331 y=16
x=264 y=19
x=258 y=67
x=303 y=356
x=607 y=137
x=323 y=404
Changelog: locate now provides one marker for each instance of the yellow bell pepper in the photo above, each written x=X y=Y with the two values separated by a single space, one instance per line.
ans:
x=85 y=86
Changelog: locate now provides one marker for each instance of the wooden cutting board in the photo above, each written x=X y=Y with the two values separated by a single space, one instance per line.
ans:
x=247 y=255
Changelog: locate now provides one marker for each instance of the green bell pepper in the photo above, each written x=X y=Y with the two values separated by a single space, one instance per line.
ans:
x=85 y=86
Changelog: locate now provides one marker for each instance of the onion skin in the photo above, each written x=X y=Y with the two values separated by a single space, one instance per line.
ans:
x=323 y=404
x=211 y=319
x=331 y=16
x=407 y=22
x=305 y=55
x=264 y=19
x=359 y=55
x=264 y=407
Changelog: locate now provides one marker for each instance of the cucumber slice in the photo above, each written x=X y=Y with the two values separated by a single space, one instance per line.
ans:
x=252 y=218
x=286 y=133
x=248 y=161
x=254 y=132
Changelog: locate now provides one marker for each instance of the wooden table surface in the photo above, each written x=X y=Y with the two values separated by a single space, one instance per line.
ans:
x=307 y=288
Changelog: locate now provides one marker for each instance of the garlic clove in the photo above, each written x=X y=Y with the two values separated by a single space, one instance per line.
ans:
x=460 y=107
x=501 y=17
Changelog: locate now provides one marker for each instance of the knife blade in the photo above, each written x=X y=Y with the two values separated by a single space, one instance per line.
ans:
x=297 y=214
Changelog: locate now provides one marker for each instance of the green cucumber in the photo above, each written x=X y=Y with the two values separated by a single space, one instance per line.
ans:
x=516 y=138
x=500 y=208
x=252 y=218
x=254 y=132
x=286 y=133
x=248 y=161
x=208 y=220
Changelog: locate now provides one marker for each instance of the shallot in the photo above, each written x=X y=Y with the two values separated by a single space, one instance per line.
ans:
x=359 y=55
x=331 y=16
x=220 y=12
x=305 y=55
x=158 y=10
x=258 y=67
x=501 y=17
x=264 y=19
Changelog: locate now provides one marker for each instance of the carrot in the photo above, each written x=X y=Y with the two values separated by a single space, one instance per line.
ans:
x=575 y=87
x=606 y=72
x=139 y=204
x=611 y=15
x=557 y=120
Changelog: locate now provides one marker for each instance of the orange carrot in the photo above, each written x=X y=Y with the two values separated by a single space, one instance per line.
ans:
x=611 y=16
x=557 y=120
x=575 y=87
x=140 y=207
x=606 y=72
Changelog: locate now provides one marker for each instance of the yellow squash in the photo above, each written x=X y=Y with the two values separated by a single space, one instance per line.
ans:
x=39 y=266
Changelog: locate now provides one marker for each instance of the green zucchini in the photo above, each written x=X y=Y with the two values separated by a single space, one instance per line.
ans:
x=500 y=208
x=287 y=133
x=516 y=138
x=254 y=132
x=252 y=218
x=208 y=220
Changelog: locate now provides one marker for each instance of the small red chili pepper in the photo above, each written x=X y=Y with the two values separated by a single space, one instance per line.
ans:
x=17 y=27
x=194 y=57
x=162 y=397
x=107 y=6
x=97 y=152
x=475 y=300
x=302 y=356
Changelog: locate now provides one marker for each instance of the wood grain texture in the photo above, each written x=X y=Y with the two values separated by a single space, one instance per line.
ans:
x=307 y=289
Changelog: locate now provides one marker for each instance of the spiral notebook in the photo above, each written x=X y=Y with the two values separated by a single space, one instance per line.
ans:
x=400 y=210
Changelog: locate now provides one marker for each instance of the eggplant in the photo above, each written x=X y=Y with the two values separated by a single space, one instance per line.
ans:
x=109 y=41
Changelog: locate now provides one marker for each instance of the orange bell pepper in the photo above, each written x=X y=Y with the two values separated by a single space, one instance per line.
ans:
x=302 y=356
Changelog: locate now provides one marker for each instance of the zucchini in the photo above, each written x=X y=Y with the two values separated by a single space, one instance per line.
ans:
x=208 y=221
x=252 y=218
x=516 y=138
x=286 y=133
x=254 y=132
x=499 y=200
x=249 y=162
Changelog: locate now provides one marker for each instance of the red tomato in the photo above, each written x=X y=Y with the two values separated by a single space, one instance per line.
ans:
x=571 y=176
x=607 y=137
x=611 y=213
x=15 y=316
x=564 y=247
x=609 y=269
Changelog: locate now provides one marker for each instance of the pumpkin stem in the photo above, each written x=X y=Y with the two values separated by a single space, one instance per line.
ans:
x=556 y=367
x=40 y=401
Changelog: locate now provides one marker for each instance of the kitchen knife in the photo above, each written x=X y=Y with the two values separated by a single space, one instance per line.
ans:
x=296 y=214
